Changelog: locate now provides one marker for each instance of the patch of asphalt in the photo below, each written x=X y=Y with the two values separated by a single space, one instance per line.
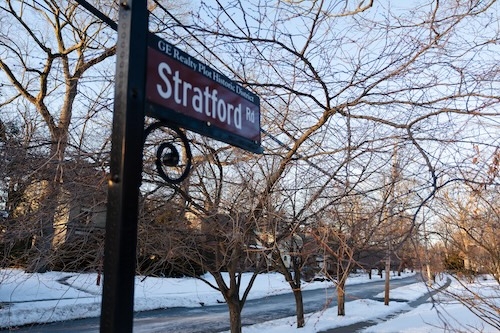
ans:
x=358 y=327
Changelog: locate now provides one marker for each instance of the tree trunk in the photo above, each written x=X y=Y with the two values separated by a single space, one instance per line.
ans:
x=297 y=291
x=234 y=314
x=231 y=295
x=295 y=283
x=41 y=247
x=341 y=297
x=299 y=307
x=49 y=202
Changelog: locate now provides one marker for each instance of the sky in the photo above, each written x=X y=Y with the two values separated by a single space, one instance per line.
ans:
x=54 y=296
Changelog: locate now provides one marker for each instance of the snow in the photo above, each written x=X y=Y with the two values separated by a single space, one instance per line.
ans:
x=55 y=296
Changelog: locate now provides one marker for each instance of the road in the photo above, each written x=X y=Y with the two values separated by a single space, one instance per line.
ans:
x=211 y=319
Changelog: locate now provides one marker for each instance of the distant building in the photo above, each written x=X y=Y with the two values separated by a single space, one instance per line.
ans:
x=80 y=206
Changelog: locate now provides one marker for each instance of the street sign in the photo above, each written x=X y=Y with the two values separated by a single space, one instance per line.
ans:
x=179 y=90
x=191 y=95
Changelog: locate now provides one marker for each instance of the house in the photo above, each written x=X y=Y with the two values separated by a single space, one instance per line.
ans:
x=78 y=207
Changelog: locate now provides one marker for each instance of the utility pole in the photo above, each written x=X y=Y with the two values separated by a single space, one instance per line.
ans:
x=427 y=260
x=390 y=221
x=387 y=276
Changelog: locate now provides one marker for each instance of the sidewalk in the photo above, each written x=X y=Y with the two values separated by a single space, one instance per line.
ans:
x=360 y=326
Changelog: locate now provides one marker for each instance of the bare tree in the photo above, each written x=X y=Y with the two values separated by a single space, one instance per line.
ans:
x=46 y=66
x=466 y=217
x=339 y=84
x=469 y=217
x=204 y=227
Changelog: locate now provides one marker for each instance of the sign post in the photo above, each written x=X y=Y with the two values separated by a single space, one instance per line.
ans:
x=125 y=169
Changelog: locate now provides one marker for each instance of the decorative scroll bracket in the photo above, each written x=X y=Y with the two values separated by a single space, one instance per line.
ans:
x=170 y=165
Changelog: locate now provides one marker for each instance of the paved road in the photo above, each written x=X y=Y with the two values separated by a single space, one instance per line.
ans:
x=211 y=319
x=360 y=326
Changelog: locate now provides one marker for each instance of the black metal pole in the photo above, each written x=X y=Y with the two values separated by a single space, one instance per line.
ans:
x=125 y=168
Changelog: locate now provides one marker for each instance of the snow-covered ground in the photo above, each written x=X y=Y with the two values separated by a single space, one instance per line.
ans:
x=54 y=296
